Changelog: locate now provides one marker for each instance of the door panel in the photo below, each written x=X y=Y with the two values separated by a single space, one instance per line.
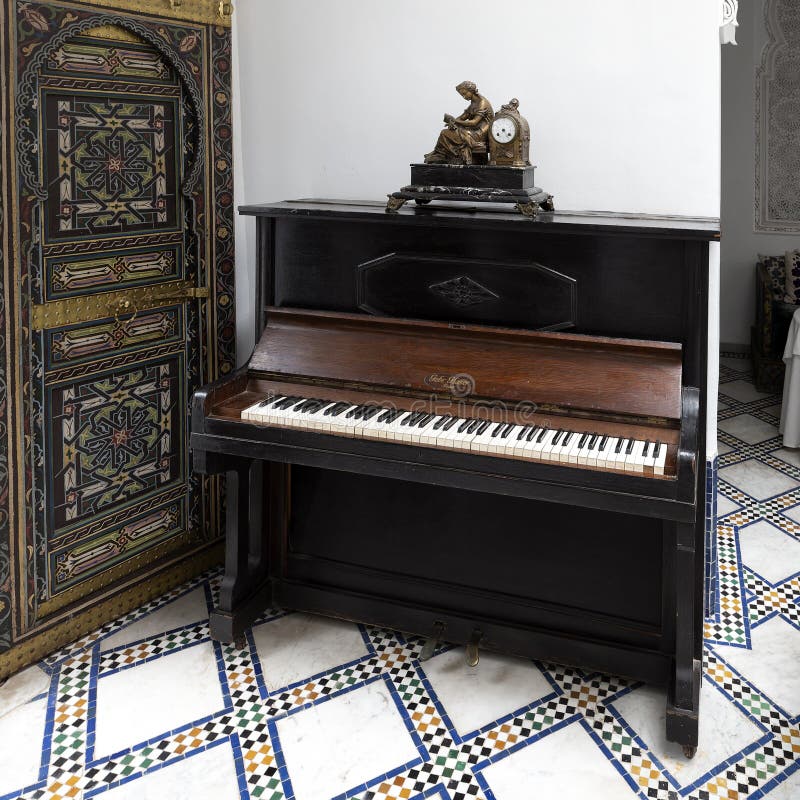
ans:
x=125 y=290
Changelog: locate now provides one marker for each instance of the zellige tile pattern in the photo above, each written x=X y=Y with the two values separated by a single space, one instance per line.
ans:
x=311 y=709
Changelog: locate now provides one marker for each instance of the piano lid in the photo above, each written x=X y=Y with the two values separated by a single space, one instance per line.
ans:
x=587 y=373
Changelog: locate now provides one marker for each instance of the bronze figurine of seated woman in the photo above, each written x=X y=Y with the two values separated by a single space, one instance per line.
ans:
x=465 y=139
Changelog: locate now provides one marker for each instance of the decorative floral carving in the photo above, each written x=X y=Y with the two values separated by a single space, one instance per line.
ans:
x=463 y=291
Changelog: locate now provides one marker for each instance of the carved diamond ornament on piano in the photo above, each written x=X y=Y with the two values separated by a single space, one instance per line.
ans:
x=463 y=291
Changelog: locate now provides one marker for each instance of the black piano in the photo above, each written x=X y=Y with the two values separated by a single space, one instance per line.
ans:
x=474 y=427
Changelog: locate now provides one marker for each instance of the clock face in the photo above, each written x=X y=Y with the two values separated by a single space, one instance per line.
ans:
x=504 y=129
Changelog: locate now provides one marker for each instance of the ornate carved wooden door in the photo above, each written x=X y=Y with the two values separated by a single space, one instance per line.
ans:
x=118 y=304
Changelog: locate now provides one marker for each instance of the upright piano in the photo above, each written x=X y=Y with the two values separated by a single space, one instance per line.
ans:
x=477 y=428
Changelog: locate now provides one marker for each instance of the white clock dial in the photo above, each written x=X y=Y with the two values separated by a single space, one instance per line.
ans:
x=504 y=130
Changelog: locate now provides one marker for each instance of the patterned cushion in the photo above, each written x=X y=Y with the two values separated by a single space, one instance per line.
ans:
x=776 y=270
x=793 y=276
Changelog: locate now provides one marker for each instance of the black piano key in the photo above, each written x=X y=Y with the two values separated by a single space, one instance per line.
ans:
x=268 y=401
x=382 y=417
x=532 y=432
x=449 y=424
x=646 y=449
x=506 y=431
x=541 y=436
x=393 y=415
x=474 y=425
x=567 y=438
x=424 y=420
x=629 y=448
x=620 y=442
x=657 y=450
x=482 y=427
x=603 y=443
x=593 y=440
x=522 y=432
x=441 y=422
x=498 y=428
x=464 y=425
x=371 y=413
x=583 y=440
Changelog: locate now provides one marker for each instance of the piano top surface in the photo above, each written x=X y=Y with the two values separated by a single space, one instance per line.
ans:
x=481 y=215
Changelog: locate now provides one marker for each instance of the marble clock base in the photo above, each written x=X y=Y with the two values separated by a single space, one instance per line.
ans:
x=474 y=183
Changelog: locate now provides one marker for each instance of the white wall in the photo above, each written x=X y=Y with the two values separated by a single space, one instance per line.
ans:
x=339 y=96
x=740 y=244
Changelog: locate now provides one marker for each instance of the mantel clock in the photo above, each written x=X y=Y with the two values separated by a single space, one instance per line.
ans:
x=510 y=137
x=479 y=156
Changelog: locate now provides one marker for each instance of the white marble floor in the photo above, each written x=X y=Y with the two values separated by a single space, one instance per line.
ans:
x=314 y=709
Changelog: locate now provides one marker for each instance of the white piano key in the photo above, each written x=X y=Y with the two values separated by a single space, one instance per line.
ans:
x=583 y=450
x=518 y=448
x=603 y=455
x=429 y=433
x=562 y=450
x=481 y=441
x=549 y=444
x=592 y=451
x=370 y=428
x=616 y=460
x=317 y=420
x=661 y=459
x=536 y=445
x=634 y=461
x=574 y=448
x=648 y=458
x=247 y=412
x=259 y=411
x=511 y=439
x=494 y=443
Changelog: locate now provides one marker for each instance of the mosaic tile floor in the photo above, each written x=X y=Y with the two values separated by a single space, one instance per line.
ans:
x=149 y=707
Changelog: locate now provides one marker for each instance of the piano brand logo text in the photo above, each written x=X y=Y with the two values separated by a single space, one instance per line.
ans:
x=459 y=385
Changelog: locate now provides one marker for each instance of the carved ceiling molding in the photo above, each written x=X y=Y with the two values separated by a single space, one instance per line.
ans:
x=728 y=23
x=777 y=121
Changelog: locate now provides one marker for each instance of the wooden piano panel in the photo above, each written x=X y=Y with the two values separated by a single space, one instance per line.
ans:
x=438 y=545
x=630 y=286
x=597 y=374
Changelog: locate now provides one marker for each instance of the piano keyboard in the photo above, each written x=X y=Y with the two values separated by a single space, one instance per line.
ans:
x=480 y=436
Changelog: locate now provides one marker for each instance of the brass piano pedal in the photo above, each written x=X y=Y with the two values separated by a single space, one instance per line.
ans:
x=473 y=656
x=432 y=641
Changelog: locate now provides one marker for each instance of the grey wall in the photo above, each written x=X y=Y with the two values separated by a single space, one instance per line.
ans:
x=740 y=244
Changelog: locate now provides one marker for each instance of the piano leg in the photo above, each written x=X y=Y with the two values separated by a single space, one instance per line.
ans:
x=683 y=700
x=245 y=589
